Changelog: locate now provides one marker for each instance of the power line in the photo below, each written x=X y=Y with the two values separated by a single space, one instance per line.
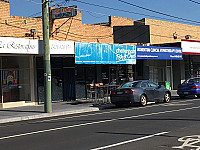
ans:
x=54 y=4
x=131 y=12
x=106 y=36
x=34 y=2
x=137 y=21
x=194 y=1
x=157 y=12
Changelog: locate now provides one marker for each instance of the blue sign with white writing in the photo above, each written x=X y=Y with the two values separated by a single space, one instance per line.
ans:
x=98 y=53
x=152 y=52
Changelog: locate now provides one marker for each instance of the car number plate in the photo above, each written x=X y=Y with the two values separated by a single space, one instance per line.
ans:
x=119 y=92
x=185 y=92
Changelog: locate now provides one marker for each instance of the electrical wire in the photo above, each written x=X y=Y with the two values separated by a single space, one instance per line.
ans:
x=147 y=24
x=107 y=36
x=157 y=12
x=194 y=1
x=141 y=14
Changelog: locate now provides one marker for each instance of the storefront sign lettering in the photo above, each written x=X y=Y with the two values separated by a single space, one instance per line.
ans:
x=123 y=54
x=98 y=53
x=151 y=52
x=14 y=45
x=18 y=45
x=190 y=47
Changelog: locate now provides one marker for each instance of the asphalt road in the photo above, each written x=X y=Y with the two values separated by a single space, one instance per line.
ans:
x=175 y=125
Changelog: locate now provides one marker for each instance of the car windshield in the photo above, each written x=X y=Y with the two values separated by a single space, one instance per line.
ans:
x=129 y=84
x=192 y=80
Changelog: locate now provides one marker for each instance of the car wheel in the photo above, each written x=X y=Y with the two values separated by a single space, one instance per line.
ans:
x=143 y=100
x=167 y=97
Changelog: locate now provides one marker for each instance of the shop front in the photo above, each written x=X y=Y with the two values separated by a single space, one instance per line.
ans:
x=159 y=64
x=191 y=57
x=62 y=71
x=102 y=65
x=16 y=71
x=22 y=71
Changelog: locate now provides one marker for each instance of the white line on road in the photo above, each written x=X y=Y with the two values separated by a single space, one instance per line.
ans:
x=113 y=111
x=97 y=122
x=130 y=141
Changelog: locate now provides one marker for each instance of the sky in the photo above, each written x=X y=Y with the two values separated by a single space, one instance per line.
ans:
x=97 y=11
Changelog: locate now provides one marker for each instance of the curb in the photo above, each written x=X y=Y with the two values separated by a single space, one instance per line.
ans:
x=47 y=115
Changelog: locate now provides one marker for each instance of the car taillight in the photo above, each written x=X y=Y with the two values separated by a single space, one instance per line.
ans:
x=112 y=93
x=129 y=91
x=195 y=87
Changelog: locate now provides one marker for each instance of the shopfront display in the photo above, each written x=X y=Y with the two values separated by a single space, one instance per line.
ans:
x=15 y=78
x=191 y=57
x=102 y=64
x=158 y=63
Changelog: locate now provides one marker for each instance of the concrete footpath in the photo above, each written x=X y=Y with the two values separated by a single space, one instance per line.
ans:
x=37 y=112
x=59 y=108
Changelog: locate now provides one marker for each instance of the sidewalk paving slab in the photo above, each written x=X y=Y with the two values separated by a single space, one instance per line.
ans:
x=37 y=112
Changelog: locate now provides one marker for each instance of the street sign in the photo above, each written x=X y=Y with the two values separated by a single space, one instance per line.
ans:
x=64 y=12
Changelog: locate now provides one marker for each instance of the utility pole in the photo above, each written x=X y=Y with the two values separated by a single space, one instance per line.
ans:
x=46 y=57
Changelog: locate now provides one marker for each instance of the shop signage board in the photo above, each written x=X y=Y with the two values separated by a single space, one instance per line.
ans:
x=58 y=47
x=18 y=46
x=98 y=53
x=190 y=47
x=64 y=12
x=152 y=52
x=9 y=45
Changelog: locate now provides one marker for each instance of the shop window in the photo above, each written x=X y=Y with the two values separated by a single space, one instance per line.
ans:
x=15 y=76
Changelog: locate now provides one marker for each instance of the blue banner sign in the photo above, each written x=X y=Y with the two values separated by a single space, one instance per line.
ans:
x=152 y=52
x=98 y=53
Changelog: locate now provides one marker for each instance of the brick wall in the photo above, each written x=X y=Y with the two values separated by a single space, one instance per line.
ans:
x=4 y=9
x=72 y=29
x=16 y=27
x=120 y=21
x=162 y=31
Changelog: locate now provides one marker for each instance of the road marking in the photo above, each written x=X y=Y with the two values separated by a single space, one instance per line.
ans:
x=113 y=111
x=130 y=141
x=189 y=141
x=178 y=104
x=96 y=122
x=98 y=113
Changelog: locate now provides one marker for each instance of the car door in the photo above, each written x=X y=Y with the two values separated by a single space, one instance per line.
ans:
x=148 y=90
x=157 y=91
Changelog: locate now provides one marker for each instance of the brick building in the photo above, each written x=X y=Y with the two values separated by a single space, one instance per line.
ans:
x=72 y=29
x=26 y=68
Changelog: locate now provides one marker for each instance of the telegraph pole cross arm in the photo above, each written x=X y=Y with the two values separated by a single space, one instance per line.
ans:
x=46 y=57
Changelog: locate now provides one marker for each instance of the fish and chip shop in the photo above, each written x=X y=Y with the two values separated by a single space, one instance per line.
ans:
x=102 y=64
x=159 y=64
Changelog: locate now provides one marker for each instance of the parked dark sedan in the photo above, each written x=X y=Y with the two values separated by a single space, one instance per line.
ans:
x=189 y=87
x=141 y=91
